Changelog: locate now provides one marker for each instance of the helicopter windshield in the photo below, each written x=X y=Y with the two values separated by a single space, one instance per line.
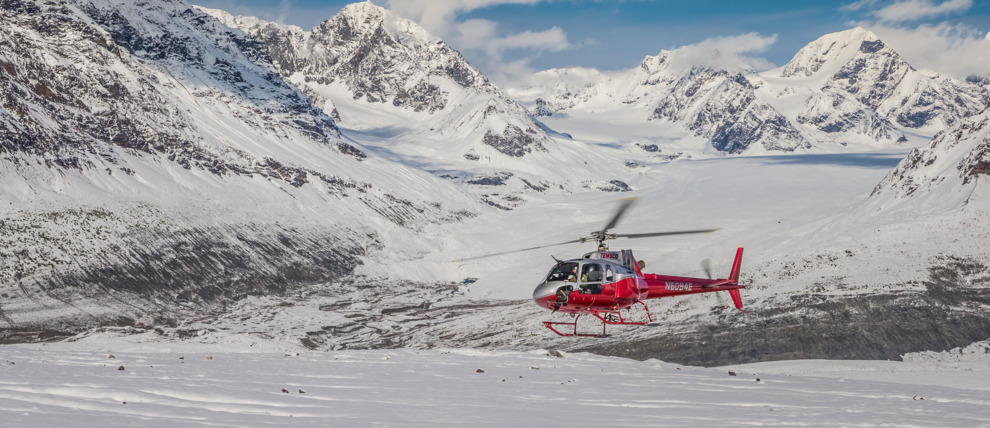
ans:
x=562 y=272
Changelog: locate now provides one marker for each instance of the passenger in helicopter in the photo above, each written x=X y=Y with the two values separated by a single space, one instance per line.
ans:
x=591 y=272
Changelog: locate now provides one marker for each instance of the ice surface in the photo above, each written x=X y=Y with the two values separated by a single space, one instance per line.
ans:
x=80 y=384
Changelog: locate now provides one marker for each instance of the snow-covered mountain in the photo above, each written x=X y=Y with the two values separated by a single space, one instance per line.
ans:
x=844 y=88
x=950 y=173
x=408 y=96
x=722 y=107
x=367 y=58
x=154 y=162
x=870 y=87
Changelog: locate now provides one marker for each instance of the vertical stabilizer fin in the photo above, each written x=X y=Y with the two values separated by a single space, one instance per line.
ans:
x=736 y=266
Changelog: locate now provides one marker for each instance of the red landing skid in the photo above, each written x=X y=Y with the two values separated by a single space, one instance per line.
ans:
x=607 y=317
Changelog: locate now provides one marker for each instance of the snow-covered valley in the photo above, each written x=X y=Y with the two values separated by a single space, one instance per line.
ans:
x=305 y=207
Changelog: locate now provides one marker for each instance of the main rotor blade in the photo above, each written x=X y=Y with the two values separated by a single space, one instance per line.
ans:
x=647 y=235
x=626 y=203
x=520 y=250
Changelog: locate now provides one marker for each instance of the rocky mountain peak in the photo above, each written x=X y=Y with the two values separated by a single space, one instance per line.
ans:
x=366 y=56
x=364 y=19
x=835 y=49
x=859 y=83
x=653 y=64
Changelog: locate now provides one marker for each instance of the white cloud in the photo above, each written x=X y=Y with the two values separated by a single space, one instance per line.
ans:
x=480 y=34
x=913 y=10
x=860 y=5
x=729 y=53
x=480 y=39
x=954 y=50
x=474 y=33
x=438 y=16
x=284 y=9
x=553 y=39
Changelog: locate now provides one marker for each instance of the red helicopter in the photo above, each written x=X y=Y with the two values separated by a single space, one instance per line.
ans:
x=603 y=283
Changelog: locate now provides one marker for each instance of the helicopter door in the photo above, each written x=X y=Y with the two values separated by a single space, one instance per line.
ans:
x=591 y=278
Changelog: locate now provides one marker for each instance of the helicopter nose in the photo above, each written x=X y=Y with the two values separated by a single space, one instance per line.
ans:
x=545 y=290
x=545 y=294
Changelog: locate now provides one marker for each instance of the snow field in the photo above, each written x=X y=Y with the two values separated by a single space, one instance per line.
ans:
x=173 y=385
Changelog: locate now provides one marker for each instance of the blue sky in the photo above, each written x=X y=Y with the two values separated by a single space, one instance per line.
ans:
x=507 y=38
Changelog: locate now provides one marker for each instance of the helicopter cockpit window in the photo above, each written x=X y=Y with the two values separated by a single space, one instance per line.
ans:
x=623 y=270
x=563 y=272
x=591 y=278
x=609 y=275
x=592 y=272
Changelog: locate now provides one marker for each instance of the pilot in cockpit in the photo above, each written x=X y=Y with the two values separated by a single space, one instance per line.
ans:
x=574 y=273
x=563 y=272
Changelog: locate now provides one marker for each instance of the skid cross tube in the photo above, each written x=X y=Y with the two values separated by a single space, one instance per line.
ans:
x=551 y=324
x=607 y=317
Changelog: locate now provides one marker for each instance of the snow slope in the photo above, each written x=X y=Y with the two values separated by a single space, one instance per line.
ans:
x=82 y=384
x=154 y=163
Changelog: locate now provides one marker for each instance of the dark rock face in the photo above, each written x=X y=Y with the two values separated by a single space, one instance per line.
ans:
x=616 y=186
x=871 y=46
x=495 y=180
x=839 y=113
x=722 y=107
x=109 y=90
x=761 y=124
x=978 y=80
x=514 y=141
x=954 y=311
x=542 y=109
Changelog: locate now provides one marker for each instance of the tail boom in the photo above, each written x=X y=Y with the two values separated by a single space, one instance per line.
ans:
x=667 y=286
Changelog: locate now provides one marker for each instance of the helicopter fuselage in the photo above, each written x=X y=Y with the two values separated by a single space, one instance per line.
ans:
x=610 y=281
x=580 y=285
